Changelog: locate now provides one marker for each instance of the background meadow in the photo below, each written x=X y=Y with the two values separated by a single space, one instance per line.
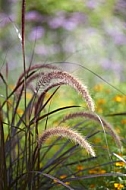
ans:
x=86 y=39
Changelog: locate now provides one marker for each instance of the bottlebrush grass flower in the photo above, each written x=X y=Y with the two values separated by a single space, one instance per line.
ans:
x=68 y=133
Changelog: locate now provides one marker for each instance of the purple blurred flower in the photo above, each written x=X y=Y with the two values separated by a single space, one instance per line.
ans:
x=34 y=16
x=110 y=65
x=57 y=21
x=69 y=25
x=119 y=39
x=36 y=33
x=68 y=22
x=117 y=34
x=4 y=20
x=92 y=4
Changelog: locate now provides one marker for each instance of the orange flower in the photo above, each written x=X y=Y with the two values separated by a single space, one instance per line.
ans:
x=80 y=167
x=93 y=171
x=123 y=121
x=92 y=186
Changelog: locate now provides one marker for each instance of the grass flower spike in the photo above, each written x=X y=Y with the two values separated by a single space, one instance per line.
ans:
x=96 y=118
x=66 y=78
x=68 y=133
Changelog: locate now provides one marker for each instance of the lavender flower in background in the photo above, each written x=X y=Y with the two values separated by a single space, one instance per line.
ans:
x=66 y=21
x=34 y=16
x=108 y=64
x=113 y=66
x=4 y=20
x=92 y=4
x=59 y=20
x=74 y=20
x=118 y=36
x=36 y=33
x=56 y=21
x=116 y=31
x=120 y=8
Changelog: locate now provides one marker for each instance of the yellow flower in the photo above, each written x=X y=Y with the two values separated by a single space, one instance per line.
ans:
x=97 y=171
x=102 y=171
x=123 y=121
x=99 y=109
x=120 y=164
x=118 y=186
x=97 y=140
x=67 y=183
x=28 y=95
x=93 y=171
x=20 y=111
x=99 y=87
x=101 y=101
x=118 y=98
x=55 y=181
x=63 y=176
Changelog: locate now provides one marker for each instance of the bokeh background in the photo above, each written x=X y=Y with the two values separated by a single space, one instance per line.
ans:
x=82 y=32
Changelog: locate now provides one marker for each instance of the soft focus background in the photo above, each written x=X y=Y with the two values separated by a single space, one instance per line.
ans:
x=86 y=32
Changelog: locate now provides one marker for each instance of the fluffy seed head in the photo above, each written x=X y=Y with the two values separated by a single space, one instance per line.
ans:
x=95 y=117
x=67 y=79
x=68 y=133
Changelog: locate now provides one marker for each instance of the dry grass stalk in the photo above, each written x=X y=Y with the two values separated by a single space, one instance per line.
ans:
x=95 y=117
x=67 y=79
x=68 y=133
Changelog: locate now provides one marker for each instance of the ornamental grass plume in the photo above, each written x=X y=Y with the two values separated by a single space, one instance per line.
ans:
x=95 y=117
x=68 y=133
x=35 y=68
x=66 y=78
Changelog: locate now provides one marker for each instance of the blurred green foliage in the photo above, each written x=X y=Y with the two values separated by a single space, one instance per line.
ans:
x=52 y=6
